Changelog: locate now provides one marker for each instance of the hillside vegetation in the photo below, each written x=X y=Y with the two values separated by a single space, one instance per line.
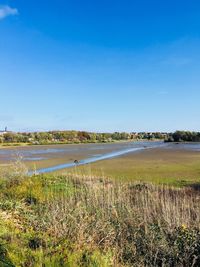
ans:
x=50 y=220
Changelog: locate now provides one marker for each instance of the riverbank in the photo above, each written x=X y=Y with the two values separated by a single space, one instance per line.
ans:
x=14 y=145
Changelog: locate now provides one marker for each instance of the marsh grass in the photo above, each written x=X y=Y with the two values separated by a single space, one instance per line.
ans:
x=16 y=169
x=54 y=220
x=159 y=166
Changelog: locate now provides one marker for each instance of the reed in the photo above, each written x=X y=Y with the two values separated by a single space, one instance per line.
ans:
x=52 y=220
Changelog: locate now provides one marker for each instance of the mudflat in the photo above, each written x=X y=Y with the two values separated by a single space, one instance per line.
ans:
x=169 y=165
x=50 y=155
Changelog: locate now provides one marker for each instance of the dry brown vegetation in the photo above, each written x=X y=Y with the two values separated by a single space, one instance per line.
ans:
x=73 y=221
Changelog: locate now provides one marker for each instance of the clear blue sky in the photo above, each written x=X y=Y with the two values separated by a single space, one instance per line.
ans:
x=103 y=65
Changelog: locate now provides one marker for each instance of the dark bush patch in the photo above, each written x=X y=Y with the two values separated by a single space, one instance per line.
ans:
x=35 y=243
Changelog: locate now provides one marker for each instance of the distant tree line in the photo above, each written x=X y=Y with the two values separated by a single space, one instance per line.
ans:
x=149 y=135
x=62 y=137
x=67 y=137
x=57 y=137
x=184 y=136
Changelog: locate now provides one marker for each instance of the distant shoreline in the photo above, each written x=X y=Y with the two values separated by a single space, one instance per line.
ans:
x=15 y=145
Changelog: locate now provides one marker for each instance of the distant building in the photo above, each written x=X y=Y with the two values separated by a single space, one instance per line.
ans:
x=4 y=131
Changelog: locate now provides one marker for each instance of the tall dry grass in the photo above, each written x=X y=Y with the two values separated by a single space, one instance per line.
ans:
x=143 y=224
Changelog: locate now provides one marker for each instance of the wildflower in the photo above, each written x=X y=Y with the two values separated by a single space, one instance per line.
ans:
x=184 y=227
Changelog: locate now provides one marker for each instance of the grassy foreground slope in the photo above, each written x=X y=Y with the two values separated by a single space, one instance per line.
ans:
x=70 y=221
